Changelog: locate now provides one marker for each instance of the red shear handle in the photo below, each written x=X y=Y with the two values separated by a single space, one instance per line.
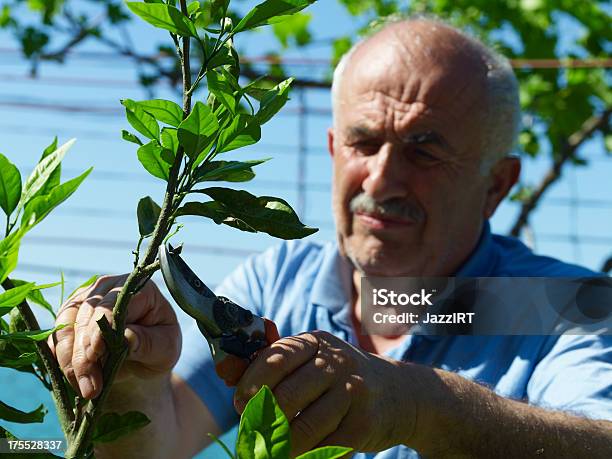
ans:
x=231 y=368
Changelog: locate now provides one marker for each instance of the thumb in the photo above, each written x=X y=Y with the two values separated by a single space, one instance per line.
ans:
x=156 y=348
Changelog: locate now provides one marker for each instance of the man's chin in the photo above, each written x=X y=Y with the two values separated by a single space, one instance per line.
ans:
x=383 y=262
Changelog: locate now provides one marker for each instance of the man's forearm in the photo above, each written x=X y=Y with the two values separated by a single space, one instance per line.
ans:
x=156 y=399
x=458 y=417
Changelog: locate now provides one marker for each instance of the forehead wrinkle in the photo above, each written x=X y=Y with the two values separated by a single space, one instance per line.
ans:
x=381 y=111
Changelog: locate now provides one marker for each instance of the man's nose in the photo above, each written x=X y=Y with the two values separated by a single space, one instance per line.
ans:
x=387 y=175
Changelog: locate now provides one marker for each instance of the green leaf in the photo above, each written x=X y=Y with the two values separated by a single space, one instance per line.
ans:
x=9 y=252
x=266 y=213
x=227 y=171
x=163 y=110
x=262 y=13
x=39 y=207
x=25 y=359
x=17 y=355
x=54 y=178
x=42 y=172
x=216 y=212
x=341 y=46
x=226 y=55
x=35 y=335
x=141 y=120
x=197 y=131
x=35 y=296
x=218 y=8
x=223 y=89
x=148 y=212
x=193 y=8
x=16 y=321
x=273 y=100
x=244 y=130
x=258 y=87
x=263 y=415
x=11 y=298
x=294 y=28
x=164 y=17
x=326 y=452
x=112 y=426
x=169 y=140
x=87 y=283
x=10 y=185
x=150 y=155
x=126 y=135
x=253 y=445
x=62 y=287
x=8 y=413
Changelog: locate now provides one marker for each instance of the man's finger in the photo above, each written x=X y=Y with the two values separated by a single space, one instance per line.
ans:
x=304 y=386
x=156 y=348
x=64 y=340
x=318 y=421
x=273 y=364
x=88 y=377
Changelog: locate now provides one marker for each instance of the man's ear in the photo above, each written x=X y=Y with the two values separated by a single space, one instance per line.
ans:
x=503 y=176
x=330 y=141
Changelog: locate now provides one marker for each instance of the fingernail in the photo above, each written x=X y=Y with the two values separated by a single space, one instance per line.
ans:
x=86 y=386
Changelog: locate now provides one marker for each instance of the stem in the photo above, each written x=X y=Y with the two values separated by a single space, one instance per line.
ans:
x=59 y=391
x=117 y=348
x=570 y=145
x=137 y=251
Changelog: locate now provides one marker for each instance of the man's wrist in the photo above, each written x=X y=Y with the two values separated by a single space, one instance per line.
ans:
x=429 y=404
x=141 y=392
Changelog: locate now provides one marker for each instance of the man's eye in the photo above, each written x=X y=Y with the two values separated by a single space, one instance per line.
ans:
x=424 y=156
x=366 y=147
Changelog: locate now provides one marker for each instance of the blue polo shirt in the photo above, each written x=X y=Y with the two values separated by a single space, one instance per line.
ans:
x=304 y=286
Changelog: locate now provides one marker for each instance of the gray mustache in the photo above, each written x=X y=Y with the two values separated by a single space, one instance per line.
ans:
x=394 y=207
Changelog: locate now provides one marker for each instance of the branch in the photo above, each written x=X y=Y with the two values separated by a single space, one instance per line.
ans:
x=81 y=34
x=113 y=336
x=152 y=60
x=570 y=146
x=60 y=394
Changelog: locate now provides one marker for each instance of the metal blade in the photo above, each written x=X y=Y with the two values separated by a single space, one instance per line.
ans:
x=189 y=292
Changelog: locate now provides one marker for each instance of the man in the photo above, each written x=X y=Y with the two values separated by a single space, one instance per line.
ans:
x=424 y=120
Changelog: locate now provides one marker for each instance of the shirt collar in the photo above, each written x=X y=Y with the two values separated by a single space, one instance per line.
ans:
x=333 y=284
x=482 y=261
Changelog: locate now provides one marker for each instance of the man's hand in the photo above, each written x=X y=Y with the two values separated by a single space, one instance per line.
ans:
x=152 y=333
x=328 y=388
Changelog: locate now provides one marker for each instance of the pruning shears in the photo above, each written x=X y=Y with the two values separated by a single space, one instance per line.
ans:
x=234 y=334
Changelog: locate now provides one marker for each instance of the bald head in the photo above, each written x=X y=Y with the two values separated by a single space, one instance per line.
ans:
x=428 y=61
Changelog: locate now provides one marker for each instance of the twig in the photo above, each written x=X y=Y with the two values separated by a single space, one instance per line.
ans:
x=60 y=394
x=572 y=143
x=82 y=34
